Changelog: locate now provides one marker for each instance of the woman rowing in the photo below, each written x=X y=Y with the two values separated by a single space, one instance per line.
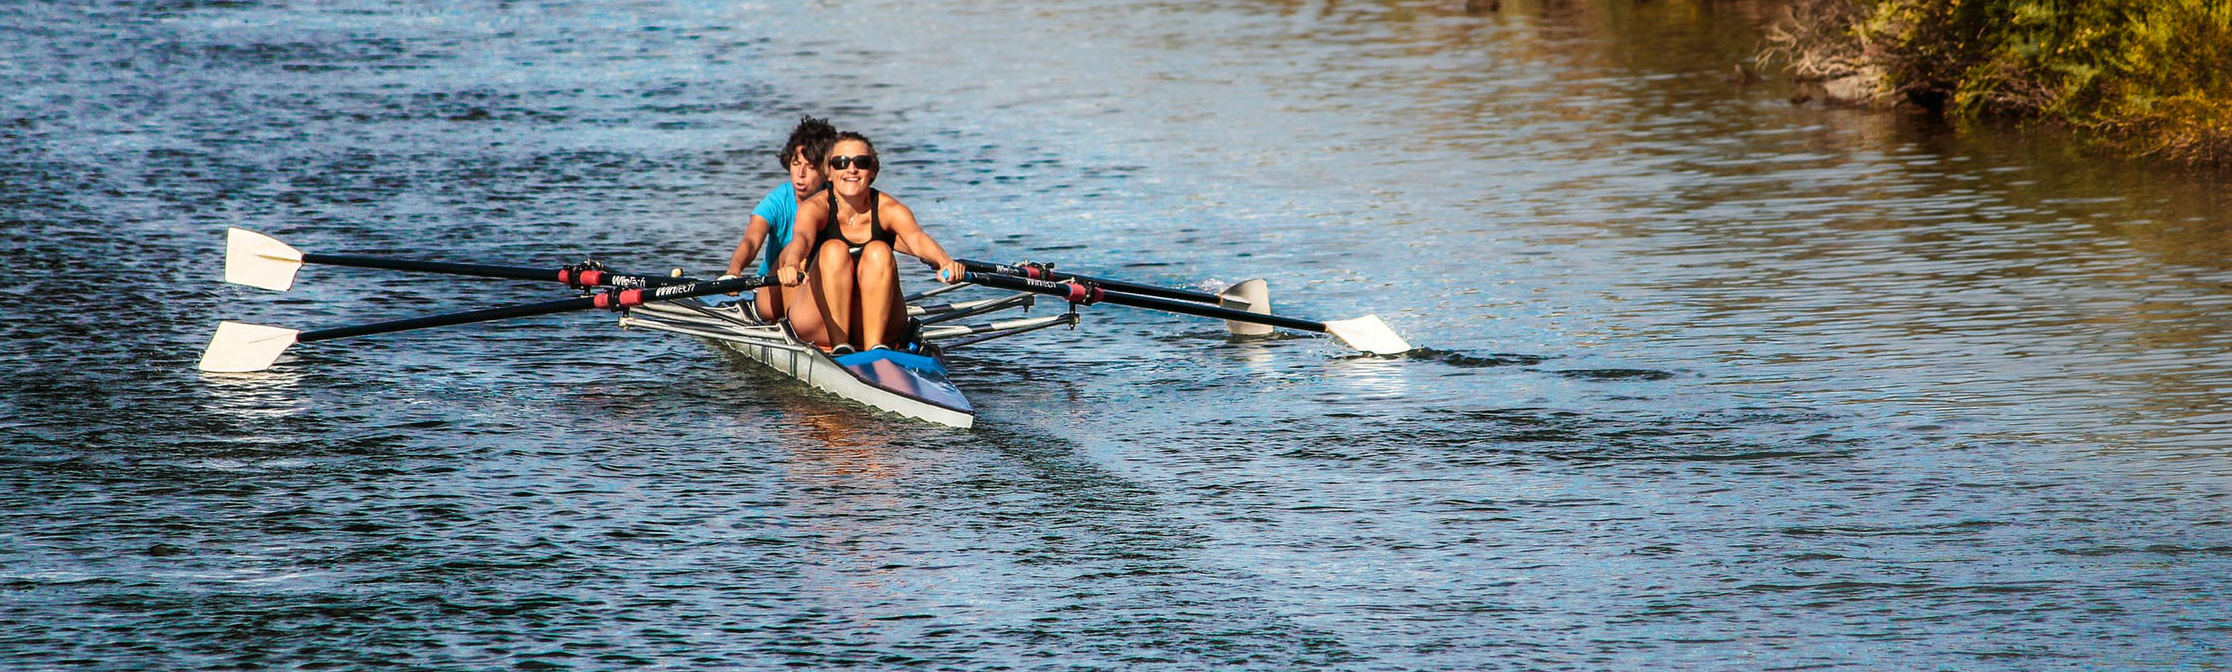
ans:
x=770 y=226
x=842 y=252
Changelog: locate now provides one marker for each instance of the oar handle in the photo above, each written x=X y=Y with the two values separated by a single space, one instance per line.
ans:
x=582 y=275
x=1047 y=272
x=616 y=299
x=1085 y=293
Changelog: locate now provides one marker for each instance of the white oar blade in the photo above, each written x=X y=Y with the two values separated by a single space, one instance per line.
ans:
x=258 y=260
x=1368 y=334
x=1252 y=295
x=240 y=347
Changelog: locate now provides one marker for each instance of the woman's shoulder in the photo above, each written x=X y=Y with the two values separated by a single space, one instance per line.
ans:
x=891 y=204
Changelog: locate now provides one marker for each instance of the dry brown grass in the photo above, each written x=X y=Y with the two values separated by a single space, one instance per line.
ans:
x=1815 y=40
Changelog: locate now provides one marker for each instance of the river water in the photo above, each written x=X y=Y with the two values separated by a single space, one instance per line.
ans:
x=1706 y=379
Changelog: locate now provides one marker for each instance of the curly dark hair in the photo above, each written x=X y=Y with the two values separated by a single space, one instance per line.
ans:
x=812 y=137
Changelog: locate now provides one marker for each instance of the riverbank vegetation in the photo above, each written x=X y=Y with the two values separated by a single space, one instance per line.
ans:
x=2153 y=77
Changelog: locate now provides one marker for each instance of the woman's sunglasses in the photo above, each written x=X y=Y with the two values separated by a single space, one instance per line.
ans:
x=865 y=161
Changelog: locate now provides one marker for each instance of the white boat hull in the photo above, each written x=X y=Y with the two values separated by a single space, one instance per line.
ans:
x=908 y=384
x=818 y=370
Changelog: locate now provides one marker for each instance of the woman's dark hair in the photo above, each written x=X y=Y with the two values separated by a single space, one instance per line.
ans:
x=812 y=138
x=843 y=136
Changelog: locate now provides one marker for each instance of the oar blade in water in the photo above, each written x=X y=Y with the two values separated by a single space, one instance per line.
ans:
x=258 y=260
x=1368 y=334
x=241 y=347
x=1253 y=295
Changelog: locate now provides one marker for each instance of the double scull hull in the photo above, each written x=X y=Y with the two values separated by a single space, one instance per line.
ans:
x=911 y=384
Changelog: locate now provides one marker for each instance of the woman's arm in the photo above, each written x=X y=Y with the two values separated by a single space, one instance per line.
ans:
x=913 y=241
x=791 y=268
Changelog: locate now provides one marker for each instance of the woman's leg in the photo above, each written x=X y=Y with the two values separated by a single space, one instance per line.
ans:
x=831 y=290
x=879 y=296
x=771 y=301
x=804 y=313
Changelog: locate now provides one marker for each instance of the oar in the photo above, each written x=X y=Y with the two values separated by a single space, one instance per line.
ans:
x=1250 y=295
x=1365 y=333
x=240 y=347
x=1046 y=272
x=258 y=260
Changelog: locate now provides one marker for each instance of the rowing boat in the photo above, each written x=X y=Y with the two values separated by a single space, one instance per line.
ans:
x=910 y=381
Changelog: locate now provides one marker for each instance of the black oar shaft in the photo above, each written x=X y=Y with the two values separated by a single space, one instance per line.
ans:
x=616 y=299
x=1041 y=273
x=1085 y=293
x=507 y=312
x=483 y=270
x=573 y=276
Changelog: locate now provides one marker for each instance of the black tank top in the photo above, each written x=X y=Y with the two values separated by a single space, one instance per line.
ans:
x=876 y=231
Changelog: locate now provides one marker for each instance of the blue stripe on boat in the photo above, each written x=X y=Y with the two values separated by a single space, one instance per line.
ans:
x=906 y=359
x=907 y=373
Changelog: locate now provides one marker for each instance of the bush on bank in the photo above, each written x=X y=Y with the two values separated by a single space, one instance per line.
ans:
x=2153 y=76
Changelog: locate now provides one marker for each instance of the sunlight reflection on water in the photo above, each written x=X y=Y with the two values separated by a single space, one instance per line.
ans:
x=1700 y=371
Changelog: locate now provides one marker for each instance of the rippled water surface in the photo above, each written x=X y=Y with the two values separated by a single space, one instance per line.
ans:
x=1707 y=380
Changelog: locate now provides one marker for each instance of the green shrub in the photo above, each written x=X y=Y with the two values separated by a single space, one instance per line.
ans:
x=2154 y=76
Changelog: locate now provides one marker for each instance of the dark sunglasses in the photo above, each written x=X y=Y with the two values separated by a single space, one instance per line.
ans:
x=865 y=161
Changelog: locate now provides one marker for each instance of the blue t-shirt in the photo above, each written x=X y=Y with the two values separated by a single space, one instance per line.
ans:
x=779 y=209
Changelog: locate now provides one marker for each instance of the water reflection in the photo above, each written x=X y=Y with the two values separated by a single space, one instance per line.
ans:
x=1699 y=359
x=846 y=448
x=1591 y=182
x=1365 y=378
x=262 y=395
x=1845 y=254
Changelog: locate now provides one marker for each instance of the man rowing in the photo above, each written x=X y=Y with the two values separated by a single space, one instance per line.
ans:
x=841 y=250
x=771 y=222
